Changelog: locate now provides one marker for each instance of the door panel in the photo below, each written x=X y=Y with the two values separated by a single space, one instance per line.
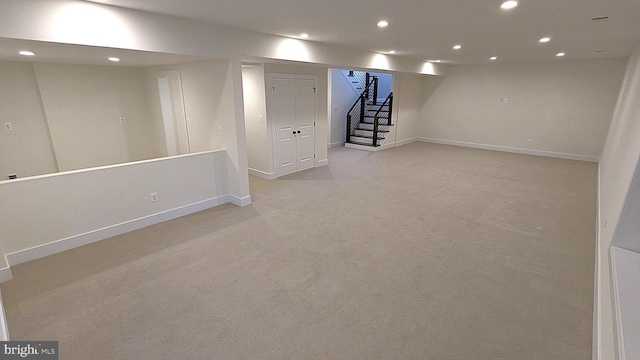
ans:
x=305 y=118
x=284 y=106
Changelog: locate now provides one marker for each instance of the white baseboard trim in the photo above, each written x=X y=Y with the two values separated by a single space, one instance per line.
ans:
x=4 y=329
x=625 y=286
x=240 y=201
x=335 y=144
x=75 y=241
x=321 y=163
x=405 y=142
x=597 y=301
x=5 y=272
x=261 y=174
x=362 y=147
x=512 y=150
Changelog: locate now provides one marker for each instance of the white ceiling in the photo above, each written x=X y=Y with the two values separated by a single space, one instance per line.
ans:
x=428 y=29
x=77 y=54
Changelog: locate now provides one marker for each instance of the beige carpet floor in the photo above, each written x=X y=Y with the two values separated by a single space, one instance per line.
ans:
x=418 y=252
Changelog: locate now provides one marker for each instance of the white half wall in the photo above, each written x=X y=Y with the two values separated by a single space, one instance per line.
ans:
x=618 y=163
x=56 y=212
x=563 y=106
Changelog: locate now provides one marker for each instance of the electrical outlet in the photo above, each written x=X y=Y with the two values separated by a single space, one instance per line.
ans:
x=260 y=118
x=7 y=126
x=122 y=121
x=12 y=176
x=528 y=141
x=219 y=129
x=154 y=196
x=504 y=100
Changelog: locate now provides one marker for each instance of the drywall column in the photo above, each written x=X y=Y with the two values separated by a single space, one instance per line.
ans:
x=617 y=165
x=255 y=112
x=235 y=140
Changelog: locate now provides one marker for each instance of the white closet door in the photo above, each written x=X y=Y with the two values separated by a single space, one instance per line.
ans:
x=294 y=116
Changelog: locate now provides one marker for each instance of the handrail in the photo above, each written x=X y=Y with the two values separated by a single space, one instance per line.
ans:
x=388 y=103
x=388 y=100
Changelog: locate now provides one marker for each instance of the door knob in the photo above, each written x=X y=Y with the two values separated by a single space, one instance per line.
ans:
x=294 y=132
x=298 y=131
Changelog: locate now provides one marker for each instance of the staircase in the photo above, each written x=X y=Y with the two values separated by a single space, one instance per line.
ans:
x=369 y=120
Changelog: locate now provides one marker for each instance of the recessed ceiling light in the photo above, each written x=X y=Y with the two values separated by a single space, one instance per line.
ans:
x=26 y=53
x=457 y=47
x=560 y=54
x=493 y=58
x=392 y=52
x=304 y=35
x=114 y=59
x=383 y=23
x=509 y=4
x=545 y=40
x=437 y=61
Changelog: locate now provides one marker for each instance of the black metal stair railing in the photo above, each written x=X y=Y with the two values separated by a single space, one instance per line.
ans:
x=358 y=111
x=359 y=79
x=382 y=118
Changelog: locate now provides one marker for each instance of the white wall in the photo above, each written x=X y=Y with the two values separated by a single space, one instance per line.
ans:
x=617 y=165
x=211 y=104
x=202 y=85
x=255 y=117
x=83 y=206
x=342 y=96
x=25 y=150
x=407 y=103
x=562 y=106
x=83 y=105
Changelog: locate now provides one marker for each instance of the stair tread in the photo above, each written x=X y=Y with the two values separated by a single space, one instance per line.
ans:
x=362 y=143
x=382 y=131
x=379 y=124
x=367 y=137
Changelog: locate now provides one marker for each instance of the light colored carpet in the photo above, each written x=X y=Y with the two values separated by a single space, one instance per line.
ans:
x=419 y=252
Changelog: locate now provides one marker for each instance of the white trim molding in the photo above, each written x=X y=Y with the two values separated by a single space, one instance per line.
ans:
x=242 y=202
x=335 y=144
x=405 y=142
x=597 y=300
x=261 y=174
x=75 y=241
x=321 y=163
x=4 y=329
x=625 y=278
x=512 y=149
x=5 y=272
